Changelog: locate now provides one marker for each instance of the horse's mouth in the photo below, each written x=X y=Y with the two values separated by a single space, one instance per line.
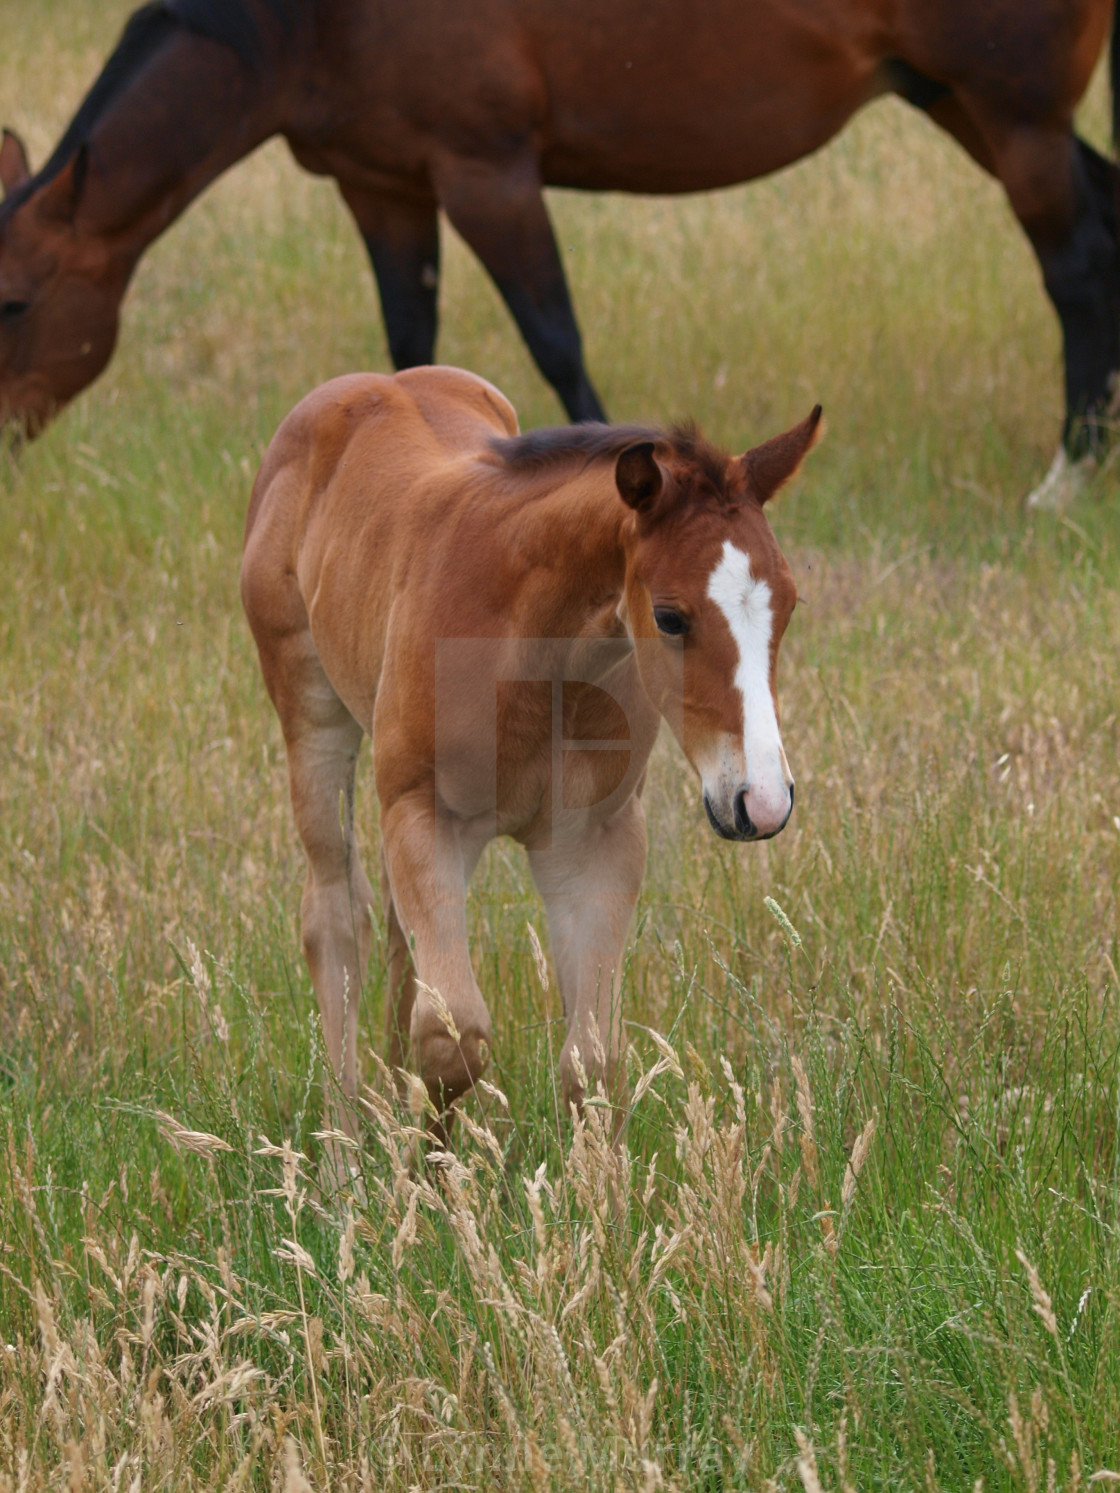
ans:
x=24 y=417
x=13 y=435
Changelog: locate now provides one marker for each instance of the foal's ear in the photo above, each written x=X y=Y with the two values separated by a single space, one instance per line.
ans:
x=15 y=168
x=638 y=476
x=771 y=465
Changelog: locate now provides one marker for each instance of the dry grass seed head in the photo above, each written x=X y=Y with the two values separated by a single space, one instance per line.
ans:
x=778 y=1114
x=346 y=1249
x=805 y=1112
x=783 y=922
x=201 y=1142
x=538 y=957
x=1043 y=1306
x=295 y=1480
x=807 y=1463
x=442 y=1009
x=855 y=1162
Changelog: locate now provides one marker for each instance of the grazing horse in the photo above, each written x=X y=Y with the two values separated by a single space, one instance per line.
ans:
x=474 y=108
x=510 y=618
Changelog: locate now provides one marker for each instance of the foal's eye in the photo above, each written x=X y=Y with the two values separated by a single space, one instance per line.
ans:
x=12 y=310
x=671 y=623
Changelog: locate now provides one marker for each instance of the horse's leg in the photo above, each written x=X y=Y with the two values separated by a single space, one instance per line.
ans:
x=500 y=211
x=1062 y=193
x=590 y=884
x=322 y=740
x=941 y=104
x=402 y=237
x=429 y=863
x=401 y=989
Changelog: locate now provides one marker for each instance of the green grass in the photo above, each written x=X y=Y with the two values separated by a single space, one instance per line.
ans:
x=713 y=1307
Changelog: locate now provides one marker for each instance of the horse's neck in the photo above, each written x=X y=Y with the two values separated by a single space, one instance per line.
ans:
x=191 y=113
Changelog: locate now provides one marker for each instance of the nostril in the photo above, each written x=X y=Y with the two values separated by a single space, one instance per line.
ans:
x=743 y=823
x=790 y=800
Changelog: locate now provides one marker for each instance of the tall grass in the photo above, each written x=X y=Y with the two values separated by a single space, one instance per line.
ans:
x=862 y=1231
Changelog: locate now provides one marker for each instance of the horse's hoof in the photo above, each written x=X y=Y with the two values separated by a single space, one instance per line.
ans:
x=1063 y=484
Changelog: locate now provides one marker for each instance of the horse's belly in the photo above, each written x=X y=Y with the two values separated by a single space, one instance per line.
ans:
x=694 y=148
x=734 y=92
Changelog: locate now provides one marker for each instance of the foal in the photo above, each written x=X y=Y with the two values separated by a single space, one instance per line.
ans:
x=510 y=617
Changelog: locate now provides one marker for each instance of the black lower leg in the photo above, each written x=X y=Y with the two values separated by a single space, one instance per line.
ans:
x=408 y=283
x=1082 y=277
x=552 y=335
x=402 y=237
x=500 y=211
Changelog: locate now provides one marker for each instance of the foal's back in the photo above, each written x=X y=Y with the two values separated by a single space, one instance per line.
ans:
x=368 y=432
x=350 y=500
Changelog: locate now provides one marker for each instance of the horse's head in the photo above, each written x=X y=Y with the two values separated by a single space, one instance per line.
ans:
x=708 y=596
x=60 y=292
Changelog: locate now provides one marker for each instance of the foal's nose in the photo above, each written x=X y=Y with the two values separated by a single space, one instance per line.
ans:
x=767 y=819
x=744 y=824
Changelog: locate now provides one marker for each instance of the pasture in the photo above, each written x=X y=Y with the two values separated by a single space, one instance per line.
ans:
x=863 y=1232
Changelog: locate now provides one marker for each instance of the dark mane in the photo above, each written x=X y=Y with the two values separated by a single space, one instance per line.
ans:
x=565 y=443
x=542 y=449
x=230 y=22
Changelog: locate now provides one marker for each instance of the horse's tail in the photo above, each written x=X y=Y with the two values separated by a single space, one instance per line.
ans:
x=1114 y=74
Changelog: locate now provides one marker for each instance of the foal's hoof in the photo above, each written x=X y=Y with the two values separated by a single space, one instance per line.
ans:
x=451 y=1068
x=1063 y=484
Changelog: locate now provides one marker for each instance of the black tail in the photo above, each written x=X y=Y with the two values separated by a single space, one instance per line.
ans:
x=1114 y=75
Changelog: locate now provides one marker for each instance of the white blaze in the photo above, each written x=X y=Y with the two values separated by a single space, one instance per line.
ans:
x=745 y=603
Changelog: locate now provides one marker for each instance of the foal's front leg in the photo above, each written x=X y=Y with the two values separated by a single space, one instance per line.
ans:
x=589 y=881
x=429 y=858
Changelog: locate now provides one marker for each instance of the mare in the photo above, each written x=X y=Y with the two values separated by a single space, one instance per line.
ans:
x=510 y=618
x=474 y=108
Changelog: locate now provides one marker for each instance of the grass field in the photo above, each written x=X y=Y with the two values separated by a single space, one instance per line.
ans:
x=863 y=1233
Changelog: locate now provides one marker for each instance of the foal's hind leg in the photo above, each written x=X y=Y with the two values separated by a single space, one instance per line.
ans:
x=322 y=740
x=590 y=882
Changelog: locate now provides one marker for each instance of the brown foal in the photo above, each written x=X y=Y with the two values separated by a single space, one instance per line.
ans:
x=509 y=617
